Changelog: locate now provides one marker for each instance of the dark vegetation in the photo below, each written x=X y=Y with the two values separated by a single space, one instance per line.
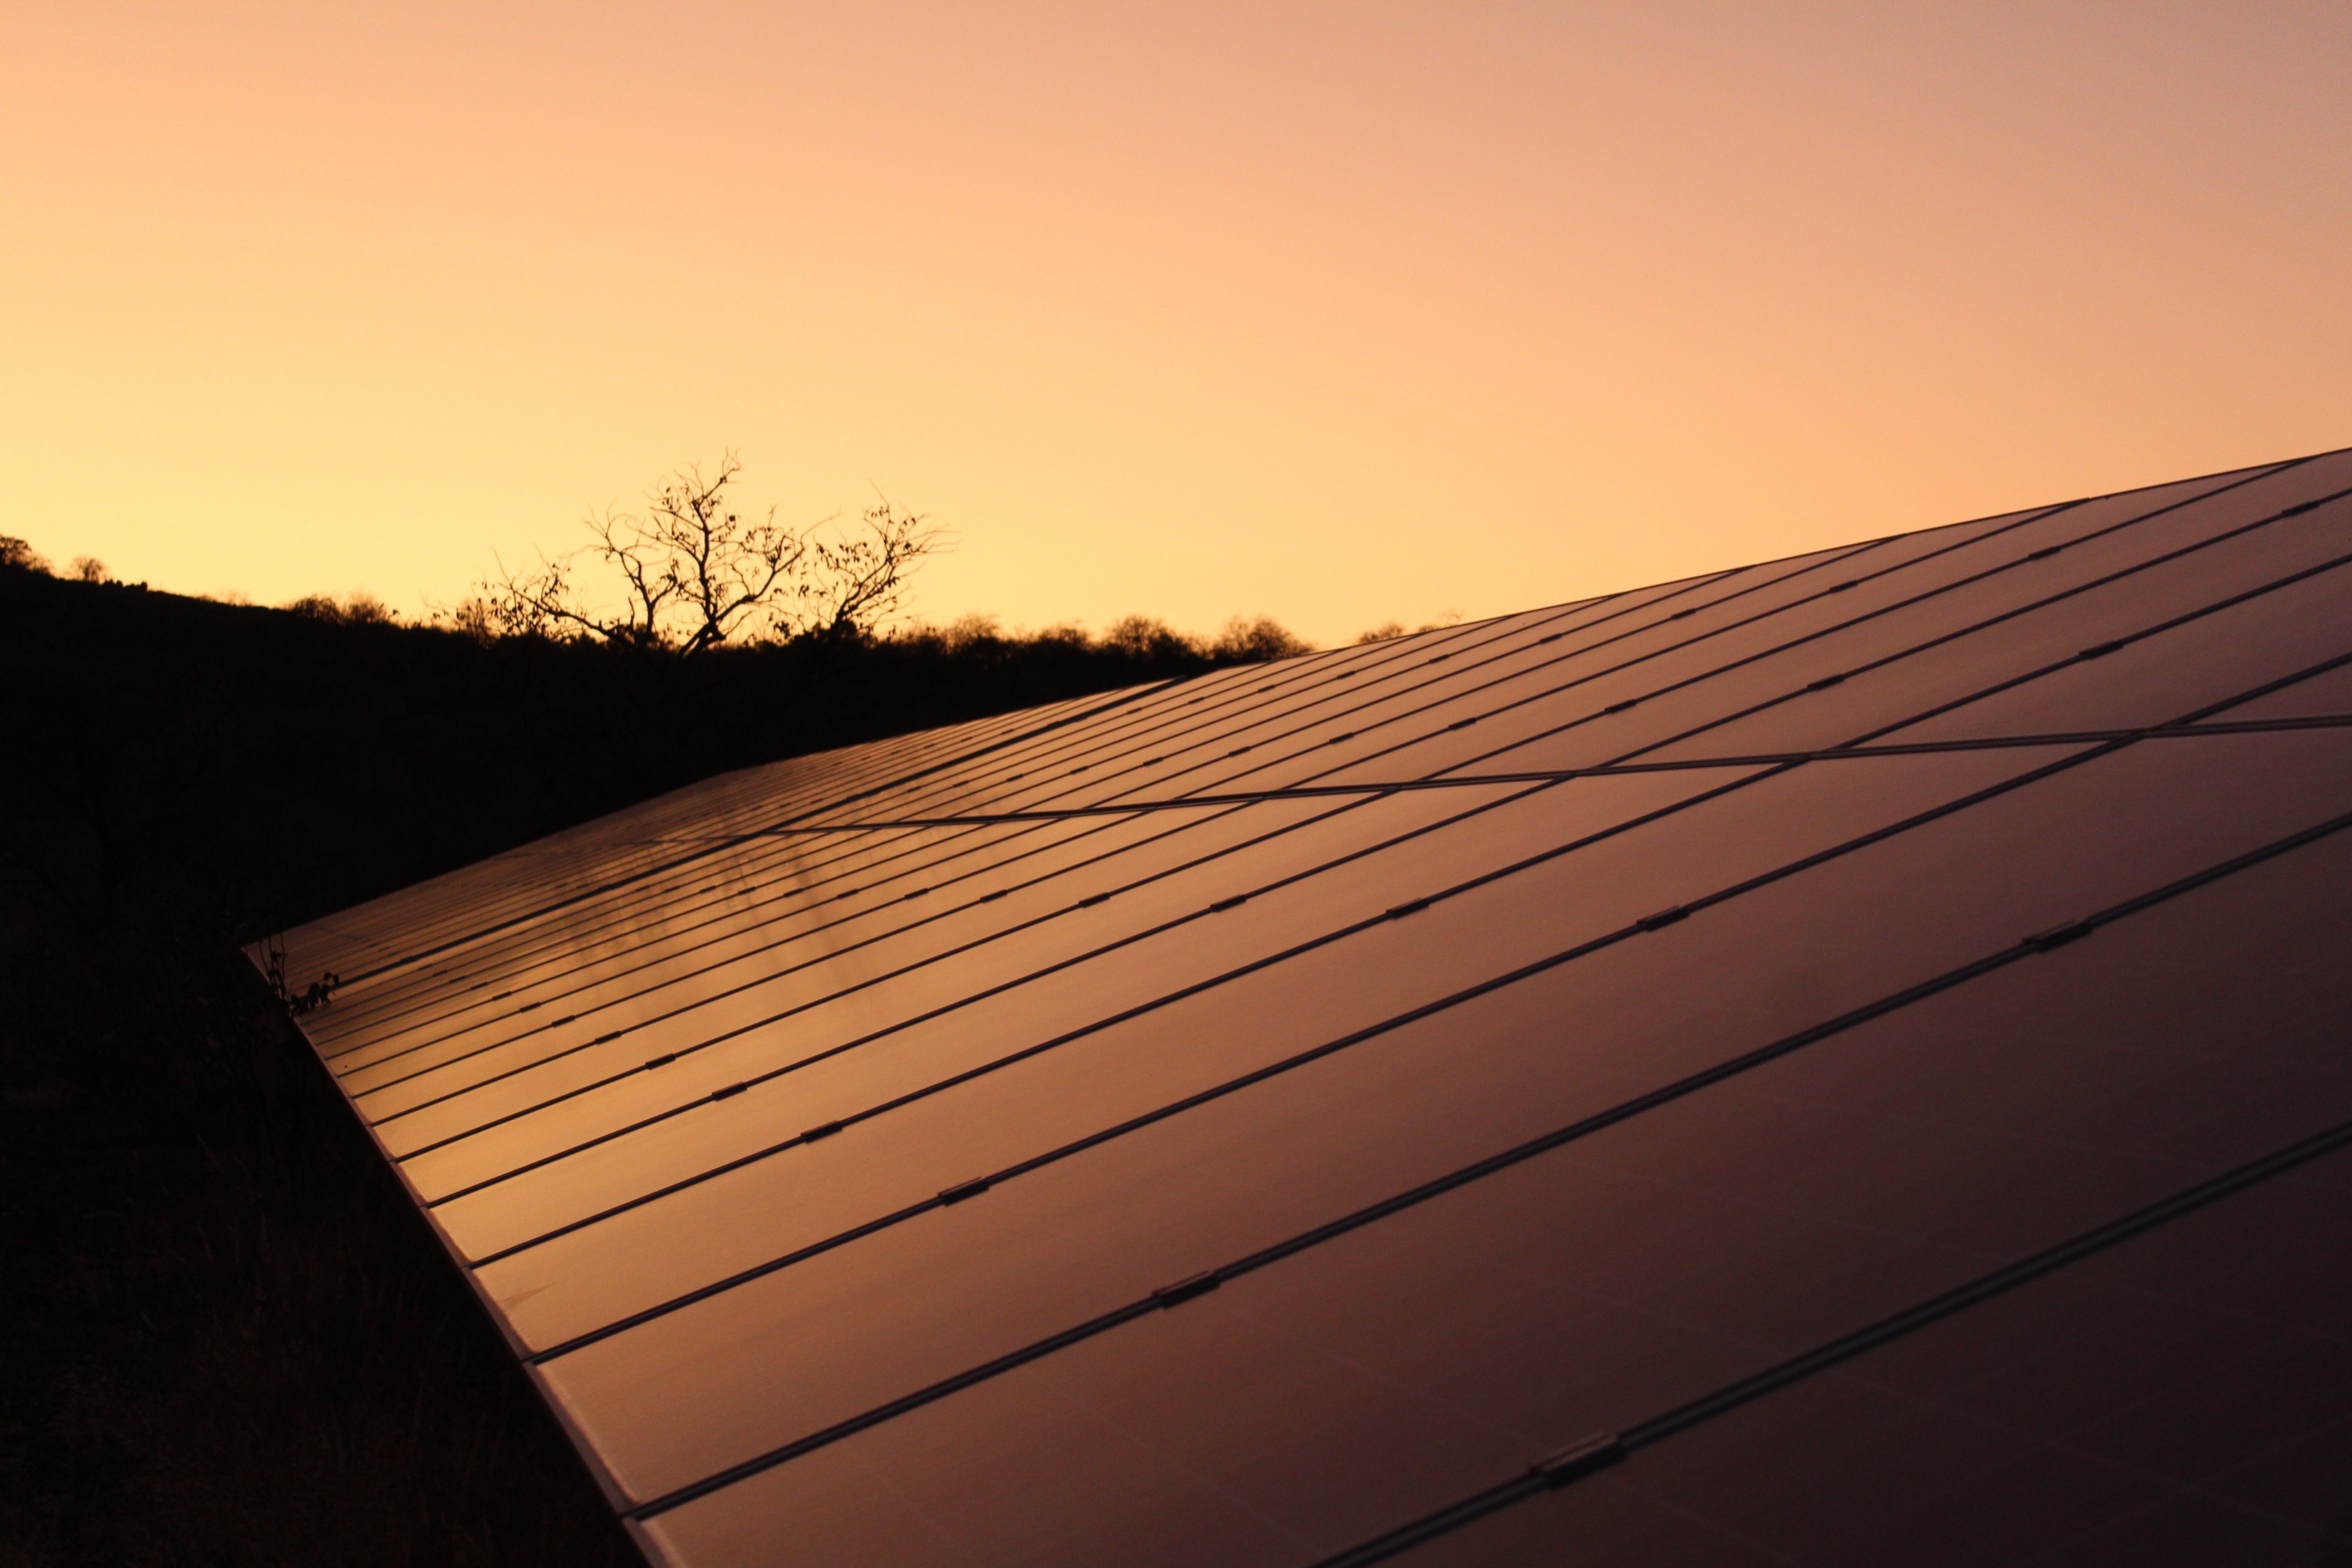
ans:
x=228 y=1338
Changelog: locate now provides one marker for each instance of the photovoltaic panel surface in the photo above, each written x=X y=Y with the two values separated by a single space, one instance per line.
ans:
x=1662 y=1079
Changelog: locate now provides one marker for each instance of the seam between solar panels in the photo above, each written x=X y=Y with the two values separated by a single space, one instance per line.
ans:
x=1843 y=625
x=993 y=935
x=1915 y=648
x=1119 y=700
x=1188 y=917
x=812 y=829
x=1407 y=663
x=2259 y=591
x=2021 y=610
x=492 y=1045
x=638 y=876
x=628 y=879
x=1693 y=586
x=2021 y=521
x=2104 y=743
x=1846 y=749
x=1659 y=1426
x=1250 y=700
x=1609 y=939
x=1200 y=803
x=1402 y=662
x=1203 y=800
x=1839 y=554
x=1024 y=738
x=557 y=943
x=1603 y=1450
x=1094 y=1027
x=1842 y=556
x=1212 y=813
x=521 y=855
x=1650 y=924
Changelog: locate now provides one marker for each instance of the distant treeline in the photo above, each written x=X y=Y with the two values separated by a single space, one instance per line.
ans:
x=1245 y=640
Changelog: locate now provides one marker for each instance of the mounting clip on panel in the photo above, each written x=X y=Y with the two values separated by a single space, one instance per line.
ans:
x=1597 y=1452
x=1185 y=1289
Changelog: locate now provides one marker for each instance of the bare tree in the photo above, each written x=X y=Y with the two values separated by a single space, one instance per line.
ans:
x=695 y=572
x=859 y=582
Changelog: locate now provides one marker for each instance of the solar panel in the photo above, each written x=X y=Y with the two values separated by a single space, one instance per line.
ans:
x=1843 y=1058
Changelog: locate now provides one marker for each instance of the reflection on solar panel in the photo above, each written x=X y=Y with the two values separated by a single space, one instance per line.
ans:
x=1844 y=1059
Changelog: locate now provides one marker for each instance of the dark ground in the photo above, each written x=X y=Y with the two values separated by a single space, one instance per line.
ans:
x=228 y=1339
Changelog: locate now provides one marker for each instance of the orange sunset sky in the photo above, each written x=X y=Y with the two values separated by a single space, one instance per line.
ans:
x=1338 y=312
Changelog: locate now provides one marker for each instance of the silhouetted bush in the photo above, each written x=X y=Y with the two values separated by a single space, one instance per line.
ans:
x=353 y=610
x=16 y=555
x=1389 y=631
x=1250 y=640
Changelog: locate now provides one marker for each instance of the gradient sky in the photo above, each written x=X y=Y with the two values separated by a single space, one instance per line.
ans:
x=1339 y=313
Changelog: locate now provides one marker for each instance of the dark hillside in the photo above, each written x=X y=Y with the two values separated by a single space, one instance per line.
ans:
x=229 y=1340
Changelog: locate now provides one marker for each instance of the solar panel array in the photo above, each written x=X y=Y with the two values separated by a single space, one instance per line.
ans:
x=1840 y=1060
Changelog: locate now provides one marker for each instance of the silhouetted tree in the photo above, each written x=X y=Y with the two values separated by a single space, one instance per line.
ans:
x=1250 y=638
x=1389 y=631
x=695 y=572
x=355 y=610
x=16 y=555
x=1147 y=637
x=857 y=584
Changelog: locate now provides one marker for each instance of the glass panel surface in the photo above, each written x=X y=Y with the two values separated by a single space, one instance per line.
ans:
x=933 y=899
x=1423 y=673
x=726 y=899
x=2184 y=669
x=1836 y=641
x=1039 y=921
x=1214 y=704
x=1179 y=759
x=523 y=882
x=2185 y=1397
x=1356 y=1386
x=549 y=911
x=2328 y=694
x=1538 y=669
x=2155 y=679
x=1079 y=947
x=595 y=1055
x=2182 y=815
x=636 y=840
x=908 y=1045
